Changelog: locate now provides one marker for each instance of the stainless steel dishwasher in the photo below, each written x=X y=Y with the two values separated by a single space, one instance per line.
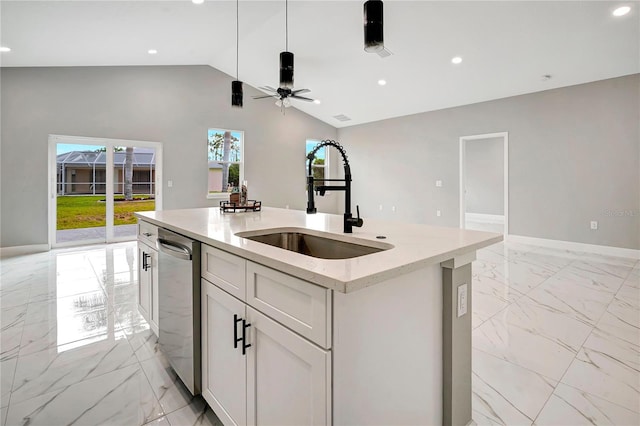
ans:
x=179 y=306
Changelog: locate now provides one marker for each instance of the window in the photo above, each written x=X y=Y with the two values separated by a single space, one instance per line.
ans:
x=225 y=161
x=320 y=165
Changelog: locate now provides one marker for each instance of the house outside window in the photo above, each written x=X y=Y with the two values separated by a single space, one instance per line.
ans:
x=320 y=165
x=225 y=161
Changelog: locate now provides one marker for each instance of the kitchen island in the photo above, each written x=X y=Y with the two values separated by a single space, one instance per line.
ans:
x=382 y=338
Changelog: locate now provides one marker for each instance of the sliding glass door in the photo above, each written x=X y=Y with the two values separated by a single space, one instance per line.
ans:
x=133 y=187
x=97 y=185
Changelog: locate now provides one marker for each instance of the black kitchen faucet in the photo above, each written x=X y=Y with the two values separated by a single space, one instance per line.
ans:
x=349 y=220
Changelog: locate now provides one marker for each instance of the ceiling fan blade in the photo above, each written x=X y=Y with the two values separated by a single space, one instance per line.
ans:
x=264 y=97
x=302 y=98
x=268 y=88
x=300 y=91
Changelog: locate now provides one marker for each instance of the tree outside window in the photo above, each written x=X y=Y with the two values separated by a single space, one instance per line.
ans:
x=224 y=160
x=319 y=167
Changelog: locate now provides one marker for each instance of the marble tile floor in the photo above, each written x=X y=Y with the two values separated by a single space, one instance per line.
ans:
x=556 y=338
x=74 y=349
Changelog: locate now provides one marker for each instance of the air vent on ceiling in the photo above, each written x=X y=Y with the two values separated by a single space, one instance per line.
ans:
x=341 y=117
x=384 y=53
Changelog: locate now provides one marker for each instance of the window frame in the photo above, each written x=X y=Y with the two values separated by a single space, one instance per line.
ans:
x=225 y=195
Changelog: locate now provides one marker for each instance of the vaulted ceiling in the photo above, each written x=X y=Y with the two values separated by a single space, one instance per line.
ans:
x=506 y=46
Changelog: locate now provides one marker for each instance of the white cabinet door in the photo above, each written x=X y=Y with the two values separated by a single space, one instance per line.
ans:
x=224 y=373
x=288 y=377
x=144 y=281
x=152 y=261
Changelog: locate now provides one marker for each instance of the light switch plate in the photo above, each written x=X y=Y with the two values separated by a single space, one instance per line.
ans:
x=462 y=300
x=439 y=183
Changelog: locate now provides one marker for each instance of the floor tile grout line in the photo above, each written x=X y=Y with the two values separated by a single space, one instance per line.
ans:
x=557 y=382
x=69 y=385
x=151 y=387
x=86 y=378
x=519 y=366
x=599 y=397
x=564 y=373
x=575 y=358
x=519 y=298
x=146 y=376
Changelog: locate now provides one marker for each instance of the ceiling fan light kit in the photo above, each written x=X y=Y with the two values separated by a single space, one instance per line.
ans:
x=373 y=26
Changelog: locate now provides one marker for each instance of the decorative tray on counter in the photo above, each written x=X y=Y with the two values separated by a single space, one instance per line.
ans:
x=232 y=207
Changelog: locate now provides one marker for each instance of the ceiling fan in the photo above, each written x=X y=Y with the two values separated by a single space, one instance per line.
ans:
x=285 y=91
x=283 y=94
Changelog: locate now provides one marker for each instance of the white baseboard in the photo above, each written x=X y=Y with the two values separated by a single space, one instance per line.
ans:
x=581 y=247
x=20 y=250
x=485 y=218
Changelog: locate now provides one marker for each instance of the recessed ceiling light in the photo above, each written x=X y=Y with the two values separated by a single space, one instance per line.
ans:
x=152 y=51
x=382 y=82
x=197 y=1
x=317 y=101
x=456 y=60
x=5 y=49
x=621 y=11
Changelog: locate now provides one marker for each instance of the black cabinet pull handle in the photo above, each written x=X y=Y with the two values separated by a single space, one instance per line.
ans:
x=244 y=337
x=236 y=320
x=145 y=263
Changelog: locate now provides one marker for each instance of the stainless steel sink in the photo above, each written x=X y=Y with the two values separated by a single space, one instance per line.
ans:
x=315 y=245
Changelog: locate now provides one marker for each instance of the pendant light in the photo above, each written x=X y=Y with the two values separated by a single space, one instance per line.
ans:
x=373 y=26
x=236 y=85
x=286 y=57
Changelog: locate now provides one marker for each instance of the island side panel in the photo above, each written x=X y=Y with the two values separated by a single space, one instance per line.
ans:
x=456 y=348
x=387 y=351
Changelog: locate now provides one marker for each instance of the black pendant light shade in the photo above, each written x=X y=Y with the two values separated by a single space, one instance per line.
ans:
x=236 y=85
x=286 y=70
x=373 y=26
x=236 y=94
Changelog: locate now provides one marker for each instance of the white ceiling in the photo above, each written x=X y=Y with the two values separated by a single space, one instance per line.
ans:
x=506 y=46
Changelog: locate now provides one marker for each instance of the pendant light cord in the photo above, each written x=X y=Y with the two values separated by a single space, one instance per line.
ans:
x=237 y=37
x=286 y=25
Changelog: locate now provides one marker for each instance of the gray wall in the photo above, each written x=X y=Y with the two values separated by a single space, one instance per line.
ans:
x=484 y=173
x=573 y=157
x=172 y=105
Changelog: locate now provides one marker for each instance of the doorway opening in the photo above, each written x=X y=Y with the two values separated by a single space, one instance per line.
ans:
x=484 y=182
x=96 y=185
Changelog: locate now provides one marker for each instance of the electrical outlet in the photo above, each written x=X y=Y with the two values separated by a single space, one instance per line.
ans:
x=393 y=209
x=439 y=183
x=462 y=300
x=594 y=224
x=380 y=207
x=287 y=206
x=438 y=213
x=170 y=183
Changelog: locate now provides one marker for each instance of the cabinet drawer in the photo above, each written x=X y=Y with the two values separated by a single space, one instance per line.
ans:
x=225 y=270
x=147 y=233
x=299 y=305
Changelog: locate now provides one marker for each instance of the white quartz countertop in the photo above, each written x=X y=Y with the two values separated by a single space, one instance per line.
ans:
x=414 y=246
